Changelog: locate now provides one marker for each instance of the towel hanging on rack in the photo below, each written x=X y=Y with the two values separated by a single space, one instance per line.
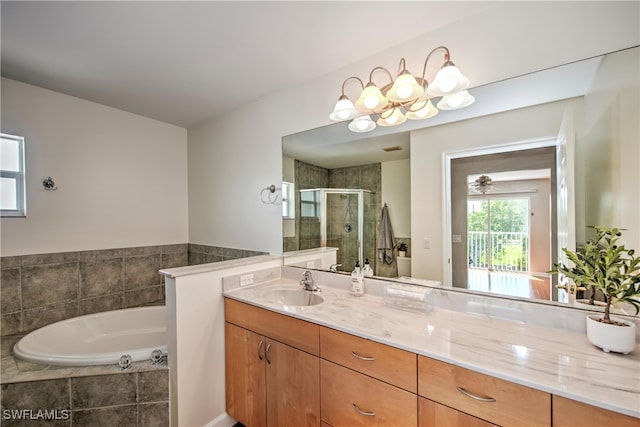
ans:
x=386 y=240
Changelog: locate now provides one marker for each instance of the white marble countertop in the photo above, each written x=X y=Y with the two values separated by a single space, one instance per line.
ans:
x=561 y=362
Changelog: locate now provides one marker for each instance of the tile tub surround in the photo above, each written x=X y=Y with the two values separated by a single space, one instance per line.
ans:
x=128 y=398
x=554 y=357
x=36 y=290
x=93 y=395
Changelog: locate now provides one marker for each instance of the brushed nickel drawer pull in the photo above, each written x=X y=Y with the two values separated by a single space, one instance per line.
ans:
x=260 y=348
x=368 y=359
x=473 y=396
x=266 y=353
x=361 y=412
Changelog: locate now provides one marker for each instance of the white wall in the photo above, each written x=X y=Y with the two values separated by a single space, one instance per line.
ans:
x=122 y=178
x=609 y=183
x=396 y=192
x=233 y=157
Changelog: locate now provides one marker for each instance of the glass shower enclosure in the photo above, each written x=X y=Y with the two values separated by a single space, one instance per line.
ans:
x=342 y=218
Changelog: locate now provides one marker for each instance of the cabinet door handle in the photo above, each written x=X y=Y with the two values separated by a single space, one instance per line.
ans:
x=361 y=412
x=260 y=348
x=473 y=396
x=266 y=353
x=365 y=358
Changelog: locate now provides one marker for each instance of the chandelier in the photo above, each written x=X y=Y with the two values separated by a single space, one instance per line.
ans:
x=406 y=97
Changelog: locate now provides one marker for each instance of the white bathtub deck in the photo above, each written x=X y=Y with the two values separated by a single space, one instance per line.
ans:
x=13 y=370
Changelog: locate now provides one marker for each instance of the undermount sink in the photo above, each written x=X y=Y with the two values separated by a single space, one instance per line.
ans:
x=292 y=297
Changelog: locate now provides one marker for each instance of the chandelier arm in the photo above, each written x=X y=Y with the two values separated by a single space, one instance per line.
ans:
x=350 y=78
x=383 y=69
x=446 y=59
x=401 y=66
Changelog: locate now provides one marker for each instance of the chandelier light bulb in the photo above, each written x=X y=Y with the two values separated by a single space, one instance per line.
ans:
x=371 y=99
x=421 y=110
x=362 y=124
x=343 y=110
x=447 y=84
x=392 y=117
x=371 y=102
x=405 y=88
x=455 y=101
x=448 y=81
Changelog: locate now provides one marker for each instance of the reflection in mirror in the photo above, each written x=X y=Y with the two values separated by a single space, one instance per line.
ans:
x=521 y=118
x=503 y=206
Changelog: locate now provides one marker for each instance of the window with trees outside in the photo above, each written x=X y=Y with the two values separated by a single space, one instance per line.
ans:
x=498 y=234
x=12 y=176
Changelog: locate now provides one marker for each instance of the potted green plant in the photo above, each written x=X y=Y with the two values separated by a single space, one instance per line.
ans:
x=402 y=249
x=603 y=264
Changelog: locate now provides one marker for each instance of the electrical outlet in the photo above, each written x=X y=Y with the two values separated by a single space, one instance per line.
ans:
x=246 y=279
x=311 y=264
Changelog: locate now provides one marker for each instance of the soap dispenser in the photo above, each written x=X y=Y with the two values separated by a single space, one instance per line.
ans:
x=367 y=271
x=357 y=281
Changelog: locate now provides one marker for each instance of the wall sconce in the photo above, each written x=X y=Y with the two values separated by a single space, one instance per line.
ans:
x=405 y=97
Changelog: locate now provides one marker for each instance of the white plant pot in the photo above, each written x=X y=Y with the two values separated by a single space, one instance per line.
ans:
x=620 y=339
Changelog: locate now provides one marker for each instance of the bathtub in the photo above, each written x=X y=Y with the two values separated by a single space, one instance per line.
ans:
x=97 y=339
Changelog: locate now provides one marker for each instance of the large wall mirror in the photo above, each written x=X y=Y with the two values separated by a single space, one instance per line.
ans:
x=480 y=199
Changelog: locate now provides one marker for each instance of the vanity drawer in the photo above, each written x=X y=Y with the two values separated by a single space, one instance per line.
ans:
x=432 y=414
x=353 y=399
x=492 y=399
x=392 y=365
x=569 y=413
x=288 y=330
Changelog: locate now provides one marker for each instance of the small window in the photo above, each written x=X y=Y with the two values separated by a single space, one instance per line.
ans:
x=288 y=200
x=309 y=204
x=12 y=191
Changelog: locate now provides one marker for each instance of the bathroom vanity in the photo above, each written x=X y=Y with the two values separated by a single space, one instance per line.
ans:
x=350 y=361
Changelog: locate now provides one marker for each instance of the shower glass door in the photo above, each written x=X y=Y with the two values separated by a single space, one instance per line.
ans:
x=344 y=227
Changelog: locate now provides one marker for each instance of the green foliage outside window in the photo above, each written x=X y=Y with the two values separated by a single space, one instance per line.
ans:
x=507 y=216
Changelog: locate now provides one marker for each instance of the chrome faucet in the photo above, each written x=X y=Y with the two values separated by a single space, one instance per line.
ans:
x=307 y=282
x=334 y=268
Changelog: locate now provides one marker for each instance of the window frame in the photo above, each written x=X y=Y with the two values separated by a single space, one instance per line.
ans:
x=19 y=177
x=288 y=200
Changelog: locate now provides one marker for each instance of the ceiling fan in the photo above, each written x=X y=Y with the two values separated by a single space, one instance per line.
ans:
x=482 y=184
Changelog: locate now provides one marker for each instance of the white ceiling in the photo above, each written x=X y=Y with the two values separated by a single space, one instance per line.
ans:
x=186 y=62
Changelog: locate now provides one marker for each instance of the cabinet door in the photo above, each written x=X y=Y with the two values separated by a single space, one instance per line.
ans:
x=293 y=386
x=569 y=413
x=432 y=414
x=245 y=376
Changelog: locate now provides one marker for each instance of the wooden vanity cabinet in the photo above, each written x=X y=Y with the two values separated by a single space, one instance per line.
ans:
x=269 y=382
x=282 y=371
x=491 y=399
x=570 y=413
